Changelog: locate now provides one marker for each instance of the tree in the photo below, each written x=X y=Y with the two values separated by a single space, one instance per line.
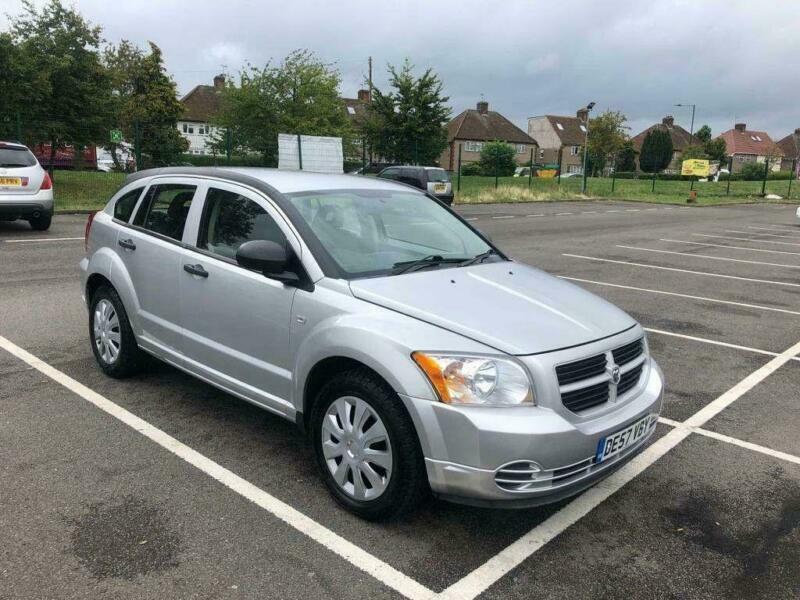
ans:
x=656 y=153
x=300 y=95
x=407 y=125
x=606 y=137
x=122 y=63
x=626 y=158
x=146 y=104
x=498 y=158
x=716 y=149
x=693 y=152
x=703 y=134
x=71 y=102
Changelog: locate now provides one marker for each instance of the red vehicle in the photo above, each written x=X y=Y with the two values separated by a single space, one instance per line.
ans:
x=64 y=157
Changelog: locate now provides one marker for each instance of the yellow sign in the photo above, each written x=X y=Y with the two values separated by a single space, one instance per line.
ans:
x=546 y=173
x=695 y=166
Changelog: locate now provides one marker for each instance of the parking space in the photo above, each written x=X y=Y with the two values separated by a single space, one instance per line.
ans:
x=96 y=507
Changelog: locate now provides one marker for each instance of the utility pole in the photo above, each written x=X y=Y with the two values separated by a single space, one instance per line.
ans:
x=691 y=127
x=369 y=61
x=589 y=108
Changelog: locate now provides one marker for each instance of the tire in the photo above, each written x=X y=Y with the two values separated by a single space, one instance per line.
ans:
x=123 y=357
x=42 y=222
x=405 y=483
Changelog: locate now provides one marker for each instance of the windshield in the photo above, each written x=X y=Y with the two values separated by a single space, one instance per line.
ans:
x=438 y=175
x=16 y=157
x=372 y=232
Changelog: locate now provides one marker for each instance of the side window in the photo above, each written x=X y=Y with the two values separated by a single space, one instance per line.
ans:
x=125 y=205
x=390 y=173
x=165 y=208
x=229 y=220
x=411 y=177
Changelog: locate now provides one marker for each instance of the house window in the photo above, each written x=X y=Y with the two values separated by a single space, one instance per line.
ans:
x=473 y=146
x=541 y=152
x=521 y=148
x=184 y=128
x=201 y=130
x=351 y=110
x=574 y=150
x=191 y=129
x=573 y=168
x=560 y=126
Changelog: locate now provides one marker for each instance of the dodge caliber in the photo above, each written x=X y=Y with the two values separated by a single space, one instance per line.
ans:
x=415 y=354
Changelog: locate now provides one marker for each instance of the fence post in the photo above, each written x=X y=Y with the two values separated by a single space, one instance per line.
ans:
x=137 y=145
x=458 y=186
x=300 y=151
x=228 y=144
x=614 y=175
x=19 y=127
x=792 y=176
x=364 y=156
x=495 y=173
x=560 y=150
x=730 y=172
x=530 y=171
x=653 y=190
x=766 y=173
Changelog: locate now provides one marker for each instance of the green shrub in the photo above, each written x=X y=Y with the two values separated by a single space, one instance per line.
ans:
x=498 y=159
x=752 y=171
x=471 y=169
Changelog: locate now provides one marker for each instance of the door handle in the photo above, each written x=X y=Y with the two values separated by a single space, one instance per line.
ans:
x=127 y=244
x=196 y=270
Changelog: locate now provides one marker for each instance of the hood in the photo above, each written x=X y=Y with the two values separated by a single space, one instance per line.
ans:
x=509 y=306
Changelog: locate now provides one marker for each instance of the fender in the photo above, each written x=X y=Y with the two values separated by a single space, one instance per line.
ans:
x=106 y=262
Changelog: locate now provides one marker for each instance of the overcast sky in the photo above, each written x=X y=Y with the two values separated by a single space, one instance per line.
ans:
x=737 y=60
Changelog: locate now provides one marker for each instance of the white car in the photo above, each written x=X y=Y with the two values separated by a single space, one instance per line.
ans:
x=798 y=213
x=26 y=190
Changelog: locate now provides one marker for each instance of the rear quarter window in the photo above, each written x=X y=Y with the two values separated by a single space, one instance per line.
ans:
x=123 y=208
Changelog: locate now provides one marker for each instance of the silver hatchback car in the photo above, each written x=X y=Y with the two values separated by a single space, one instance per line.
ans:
x=415 y=354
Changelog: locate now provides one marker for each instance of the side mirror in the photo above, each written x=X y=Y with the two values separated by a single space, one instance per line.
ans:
x=261 y=255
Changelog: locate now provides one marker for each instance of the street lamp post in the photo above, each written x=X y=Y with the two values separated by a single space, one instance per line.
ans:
x=691 y=127
x=589 y=108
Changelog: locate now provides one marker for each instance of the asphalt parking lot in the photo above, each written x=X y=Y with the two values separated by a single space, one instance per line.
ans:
x=163 y=487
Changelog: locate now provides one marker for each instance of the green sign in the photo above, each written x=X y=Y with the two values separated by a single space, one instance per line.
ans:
x=116 y=136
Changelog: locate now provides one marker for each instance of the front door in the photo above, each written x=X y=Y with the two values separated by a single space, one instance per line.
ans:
x=236 y=321
x=151 y=249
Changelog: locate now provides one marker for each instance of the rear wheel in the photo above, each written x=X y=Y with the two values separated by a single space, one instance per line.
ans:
x=367 y=448
x=113 y=343
x=42 y=222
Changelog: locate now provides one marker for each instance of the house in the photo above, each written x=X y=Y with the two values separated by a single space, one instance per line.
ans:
x=746 y=146
x=471 y=129
x=790 y=146
x=560 y=138
x=681 y=139
x=200 y=106
x=356 y=109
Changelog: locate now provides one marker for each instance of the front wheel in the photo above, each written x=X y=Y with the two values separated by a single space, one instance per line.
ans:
x=367 y=448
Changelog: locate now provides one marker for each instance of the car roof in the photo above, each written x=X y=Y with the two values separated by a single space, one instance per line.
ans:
x=14 y=145
x=285 y=182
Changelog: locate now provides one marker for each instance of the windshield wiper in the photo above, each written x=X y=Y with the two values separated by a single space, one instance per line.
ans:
x=422 y=263
x=479 y=258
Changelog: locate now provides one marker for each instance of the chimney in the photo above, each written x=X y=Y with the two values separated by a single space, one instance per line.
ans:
x=582 y=114
x=483 y=107
x=219 y=82
x=363 y=95
x=740 y=127
x=797 y=131
x=669 y=121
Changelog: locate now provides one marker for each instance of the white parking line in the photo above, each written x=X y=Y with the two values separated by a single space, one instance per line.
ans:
x=507 y=559
x=504 y=217
x=679 y=295
x=31 y=241
x=712 y=342
x=732 y=247
x=775 y=228
x=632 y=209
x=735 y=441
x=703 y=273
x=562 y=214
x=706 y=256
x=741 y=239
x=761 y=233
x=472 y=219
x=539 y=215
x=359 y=558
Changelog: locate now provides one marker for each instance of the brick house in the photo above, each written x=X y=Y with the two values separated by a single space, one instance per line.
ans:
x=558 y=135
x=473 y=128
x=790 y=146
x=200 y=106
x=746 y=146
x=681 y=139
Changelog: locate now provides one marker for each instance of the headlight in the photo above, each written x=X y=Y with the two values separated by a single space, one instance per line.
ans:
x=479 y=380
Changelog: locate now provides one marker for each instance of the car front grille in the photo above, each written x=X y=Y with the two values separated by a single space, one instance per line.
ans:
x=586 y=383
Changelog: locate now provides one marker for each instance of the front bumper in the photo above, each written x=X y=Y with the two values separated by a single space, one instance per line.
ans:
x=26 y=205
x=466 y=446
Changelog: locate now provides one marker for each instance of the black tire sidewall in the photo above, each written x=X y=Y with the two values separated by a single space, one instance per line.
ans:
x=41 y=223
x=129 y=358
x=408 y=481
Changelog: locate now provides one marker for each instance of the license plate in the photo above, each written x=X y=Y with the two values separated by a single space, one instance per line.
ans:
x=439 y=188
x=613 y=444
x=10 y=182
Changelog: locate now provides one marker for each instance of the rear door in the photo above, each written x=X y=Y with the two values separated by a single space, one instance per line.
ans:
x=151 y=247
x=438 y=182
x=236 y=321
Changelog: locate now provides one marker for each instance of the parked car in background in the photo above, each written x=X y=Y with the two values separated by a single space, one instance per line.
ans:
x=433 y=180
x=412 y=351
x=26 y=190
x=372 y=168
x=570 y=175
